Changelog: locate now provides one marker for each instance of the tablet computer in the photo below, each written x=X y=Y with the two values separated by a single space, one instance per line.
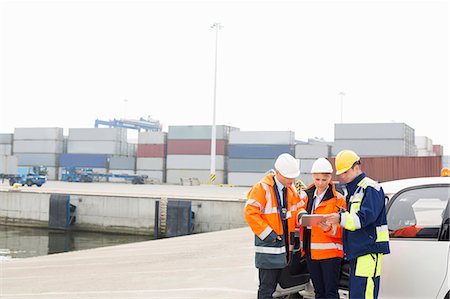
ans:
x=312 y=220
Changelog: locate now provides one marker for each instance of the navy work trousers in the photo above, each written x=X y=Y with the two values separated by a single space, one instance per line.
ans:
x=268 y=280
x=325 y=276
x=364 y=280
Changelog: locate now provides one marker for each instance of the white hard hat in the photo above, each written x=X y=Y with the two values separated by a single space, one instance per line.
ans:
x=322 y=165
x=287 y=165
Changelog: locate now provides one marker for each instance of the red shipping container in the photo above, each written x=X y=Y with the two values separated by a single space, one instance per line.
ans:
x=384 y=169
x=438 y=149
x=151 y=150
x=195 y=147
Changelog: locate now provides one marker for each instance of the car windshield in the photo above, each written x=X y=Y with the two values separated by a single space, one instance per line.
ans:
x=418 y=212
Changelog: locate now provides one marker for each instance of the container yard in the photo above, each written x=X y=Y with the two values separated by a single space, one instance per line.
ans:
x=184 y=152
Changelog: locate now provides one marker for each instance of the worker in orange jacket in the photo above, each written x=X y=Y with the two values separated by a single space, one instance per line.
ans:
x=322 y=243
x=271 y=212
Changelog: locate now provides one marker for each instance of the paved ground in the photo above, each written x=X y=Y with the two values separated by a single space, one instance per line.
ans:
x=210 y=265
x=213 y=192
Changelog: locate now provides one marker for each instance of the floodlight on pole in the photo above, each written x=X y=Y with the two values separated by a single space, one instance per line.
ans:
x=125 y=101
x=212 y=176
x=342 y=94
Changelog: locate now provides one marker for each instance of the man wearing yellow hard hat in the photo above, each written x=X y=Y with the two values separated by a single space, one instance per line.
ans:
x=365 y=235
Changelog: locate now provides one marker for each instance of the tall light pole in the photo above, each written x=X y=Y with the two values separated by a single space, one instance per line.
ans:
x=212 y=176
x=125 y=101
x=342 y=94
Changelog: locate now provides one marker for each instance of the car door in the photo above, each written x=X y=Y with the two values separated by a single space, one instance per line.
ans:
x=418 y=263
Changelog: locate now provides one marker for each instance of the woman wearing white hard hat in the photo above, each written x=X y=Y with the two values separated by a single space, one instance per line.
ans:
x=322 y=242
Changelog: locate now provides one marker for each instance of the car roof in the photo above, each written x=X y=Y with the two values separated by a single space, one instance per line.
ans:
x=392 y=187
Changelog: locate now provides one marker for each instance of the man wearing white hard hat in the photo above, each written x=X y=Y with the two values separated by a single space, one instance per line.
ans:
x=271 y=212
x=322 y=242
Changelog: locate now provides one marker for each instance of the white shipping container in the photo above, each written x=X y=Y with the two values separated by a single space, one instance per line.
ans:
x=244 y=178
x=6 y=138
x=306 y=165
x=122 y=162
x=125 y=149
x=38 y=134
x=131 y=150
x=38 y=146
x=150 y=163
x=194 y=162
x=262 y=137
x=152 y=138
x=372 y=147
x=174 y=175
x=94 y=147
x=306 y=178
x=199 y=132
x=52 y=173
x=312 y=151
x=423 y=143
x=98 y=134
x=8 y=164
x=5 y=149
x=373 y=131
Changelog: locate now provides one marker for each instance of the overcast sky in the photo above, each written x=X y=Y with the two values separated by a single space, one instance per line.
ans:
x=281 y=64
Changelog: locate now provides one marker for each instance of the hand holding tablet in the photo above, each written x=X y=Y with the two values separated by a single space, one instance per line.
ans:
x=312 y=220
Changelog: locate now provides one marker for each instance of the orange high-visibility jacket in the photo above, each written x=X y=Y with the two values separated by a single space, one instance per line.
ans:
x=324 y=244
x=262 y=215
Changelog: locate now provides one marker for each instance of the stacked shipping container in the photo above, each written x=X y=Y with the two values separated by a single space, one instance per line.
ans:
x=377 y=139
x=39 y=147
x=151 y=155
x=8 y=163
x=424 y=146
x=6 y=141
x=252 y=153
x=109 y=141
x=103 y=149
x=307 y=153
x=189 y=153
x=242 y=158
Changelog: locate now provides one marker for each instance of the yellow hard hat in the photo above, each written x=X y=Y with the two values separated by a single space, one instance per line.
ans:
x=345 y=160
x=445 y=171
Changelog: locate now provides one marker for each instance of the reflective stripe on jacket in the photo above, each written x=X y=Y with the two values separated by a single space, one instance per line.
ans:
x=365 y=222
x=261 y=214
x=322 y=244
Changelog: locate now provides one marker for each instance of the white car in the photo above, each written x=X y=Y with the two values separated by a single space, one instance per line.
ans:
x=418 y=214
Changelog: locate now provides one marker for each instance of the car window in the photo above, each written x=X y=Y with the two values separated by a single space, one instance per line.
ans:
x=417 y=213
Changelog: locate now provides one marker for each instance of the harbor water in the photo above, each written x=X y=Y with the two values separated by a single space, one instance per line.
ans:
x=22 y=242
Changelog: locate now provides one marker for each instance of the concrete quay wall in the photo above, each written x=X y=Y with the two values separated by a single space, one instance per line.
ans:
x=116 y=214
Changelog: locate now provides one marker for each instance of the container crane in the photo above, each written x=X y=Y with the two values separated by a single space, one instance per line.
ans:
x=148 y=124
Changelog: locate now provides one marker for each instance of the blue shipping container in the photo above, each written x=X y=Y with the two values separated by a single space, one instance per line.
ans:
x=259 y=151
x=84 y=160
